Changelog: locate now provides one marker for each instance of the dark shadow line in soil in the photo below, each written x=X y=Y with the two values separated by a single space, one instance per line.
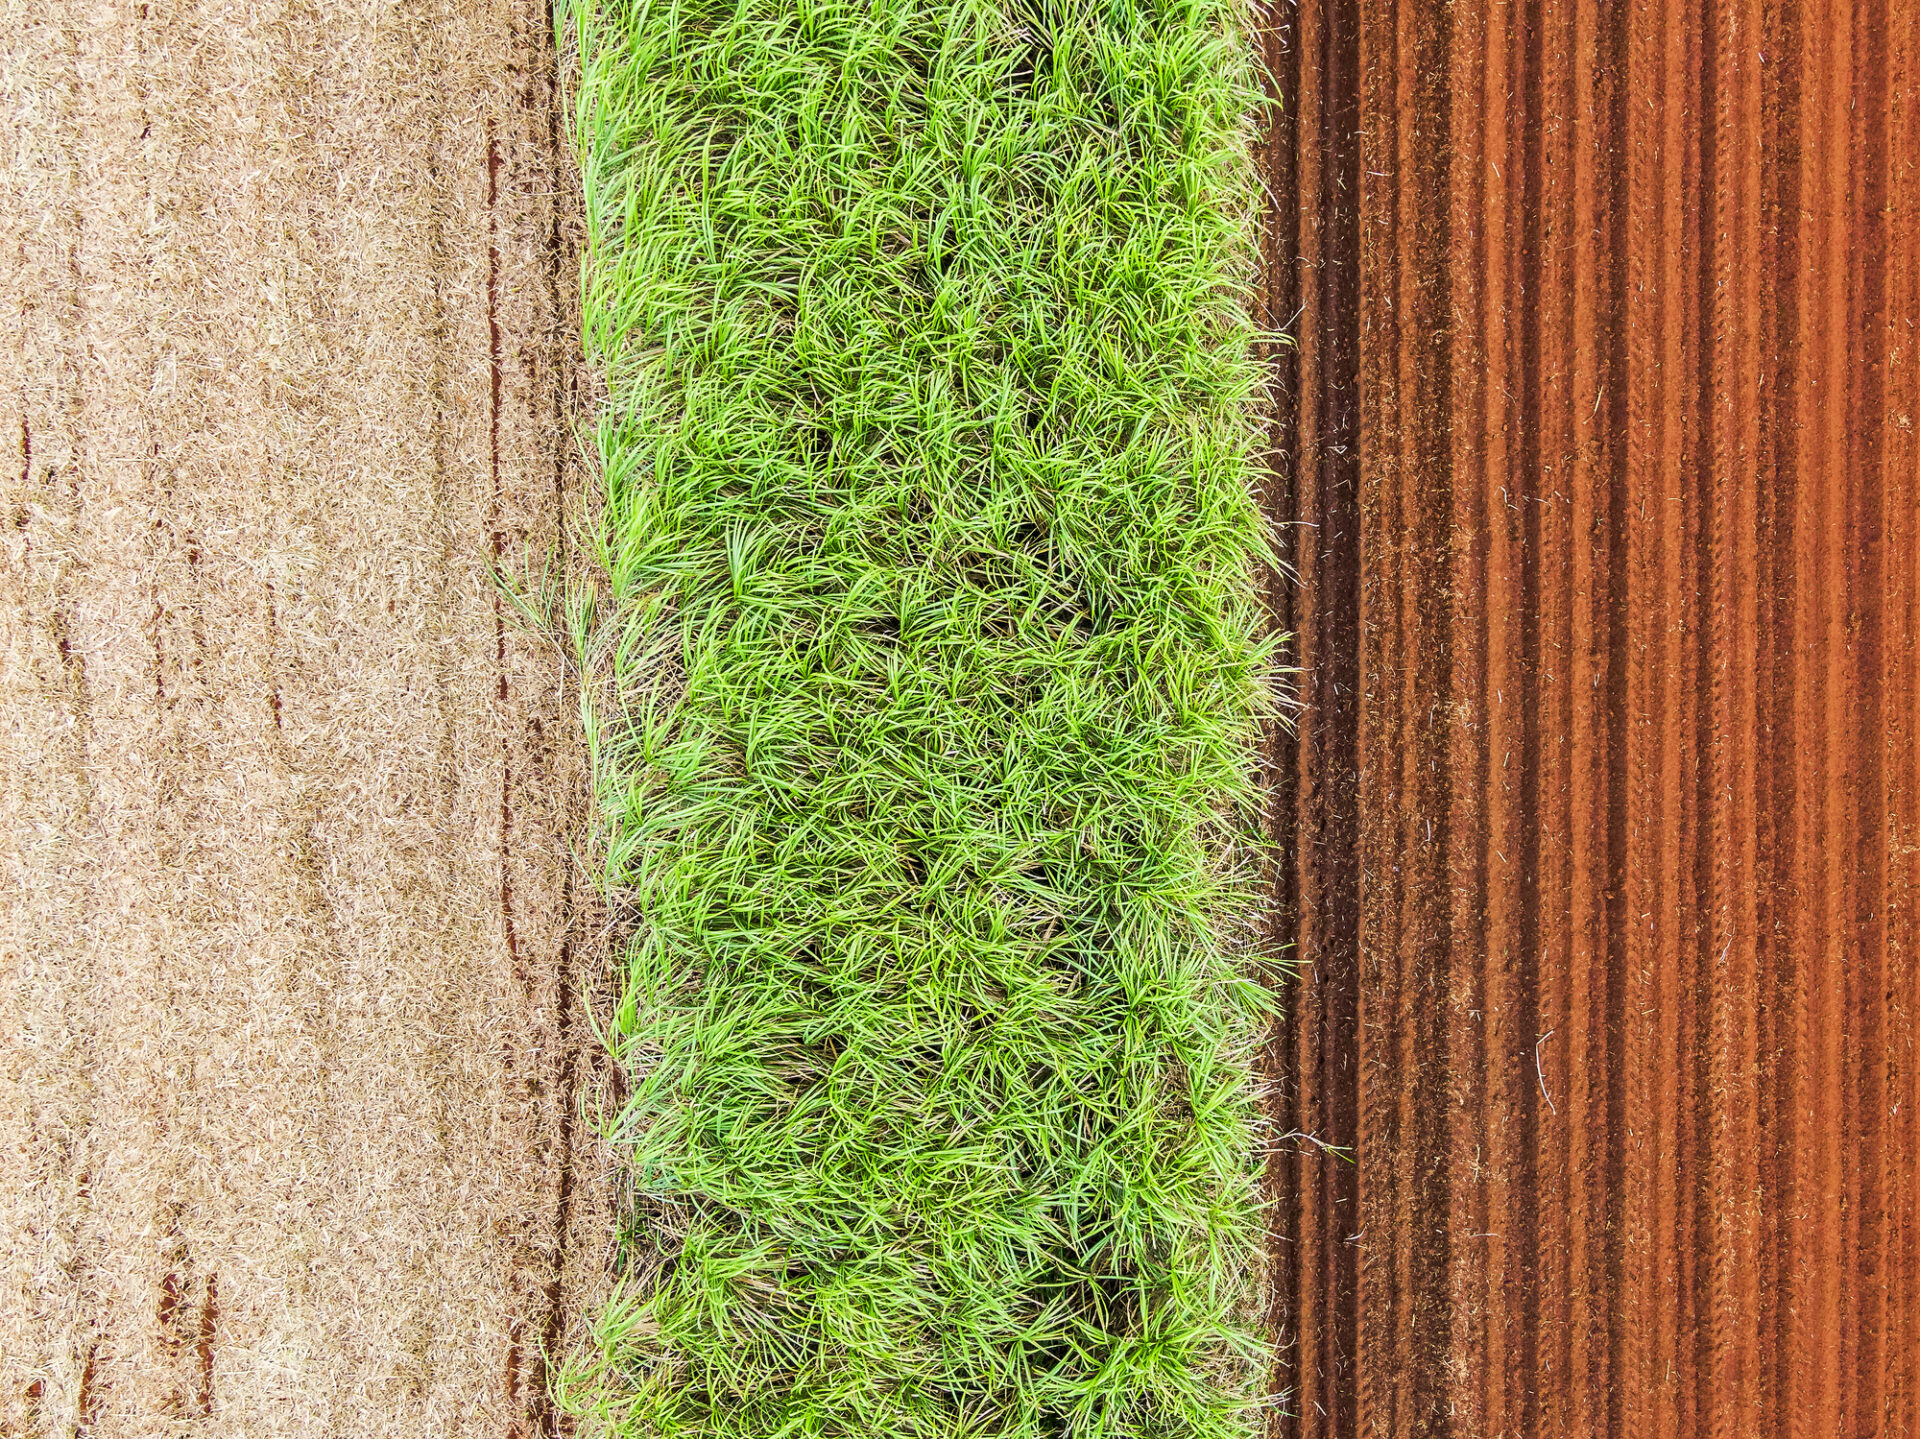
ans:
x=1279 y=57
x=1310 y=250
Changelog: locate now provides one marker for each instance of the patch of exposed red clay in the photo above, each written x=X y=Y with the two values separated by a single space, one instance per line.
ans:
x=1605 y=810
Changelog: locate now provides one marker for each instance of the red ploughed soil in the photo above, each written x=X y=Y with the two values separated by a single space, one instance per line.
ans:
x=1603 y=456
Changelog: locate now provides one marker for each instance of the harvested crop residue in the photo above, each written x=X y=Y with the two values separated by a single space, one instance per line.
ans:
x=292 y=1011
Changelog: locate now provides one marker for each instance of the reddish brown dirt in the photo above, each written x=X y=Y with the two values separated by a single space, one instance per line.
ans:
x=1606 y=802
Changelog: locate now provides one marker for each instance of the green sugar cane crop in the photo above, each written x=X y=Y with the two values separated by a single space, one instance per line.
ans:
x=935 y=666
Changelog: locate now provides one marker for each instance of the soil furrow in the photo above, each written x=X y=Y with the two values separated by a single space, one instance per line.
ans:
x=1319 y=411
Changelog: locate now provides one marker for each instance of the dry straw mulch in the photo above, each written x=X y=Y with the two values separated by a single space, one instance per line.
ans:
x=291 y=1011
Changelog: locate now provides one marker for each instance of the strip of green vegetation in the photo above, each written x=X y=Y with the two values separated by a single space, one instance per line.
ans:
x=935 y=668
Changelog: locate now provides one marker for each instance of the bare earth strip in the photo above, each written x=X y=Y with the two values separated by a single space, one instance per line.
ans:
x=290 y=1012
x=1606 y=804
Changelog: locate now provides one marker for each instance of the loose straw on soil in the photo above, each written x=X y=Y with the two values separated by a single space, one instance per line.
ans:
x=932 y=632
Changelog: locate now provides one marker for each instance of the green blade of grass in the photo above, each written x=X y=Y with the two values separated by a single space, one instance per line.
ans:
x=934 y=668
